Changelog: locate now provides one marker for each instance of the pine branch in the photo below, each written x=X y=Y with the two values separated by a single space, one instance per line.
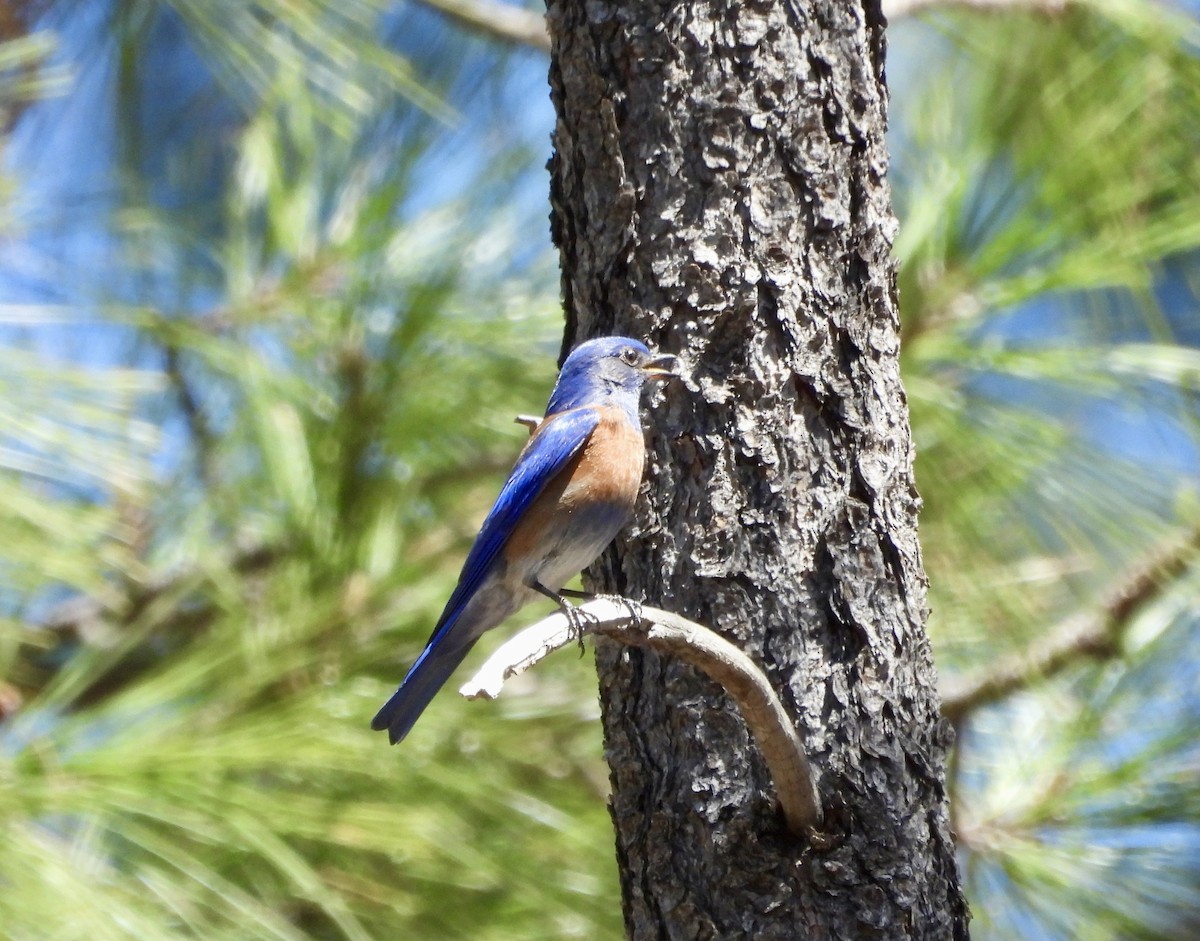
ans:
x=203 y=439
x=499 y=20
x=521 y=26
x=896 y=9
x=103 y=620
x=704 y=649
x=77 y=618
x=1095 y=633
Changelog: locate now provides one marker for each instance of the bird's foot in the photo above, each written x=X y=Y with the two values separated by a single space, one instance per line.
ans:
x=577 y=618
x=620 y=601
x=577 y=621
x=634 y=609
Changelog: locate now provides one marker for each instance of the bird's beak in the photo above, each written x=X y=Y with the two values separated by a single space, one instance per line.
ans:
x=663 y=366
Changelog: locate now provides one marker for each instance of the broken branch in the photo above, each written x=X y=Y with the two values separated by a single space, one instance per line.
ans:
x=693 y=643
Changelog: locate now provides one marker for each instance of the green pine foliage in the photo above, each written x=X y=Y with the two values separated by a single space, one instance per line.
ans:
x=1048 y=186
x=241 y=463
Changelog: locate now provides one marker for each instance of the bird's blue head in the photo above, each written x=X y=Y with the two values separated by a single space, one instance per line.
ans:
x=608 y=371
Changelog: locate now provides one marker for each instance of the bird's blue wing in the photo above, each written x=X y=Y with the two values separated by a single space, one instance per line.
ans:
x=557 y=440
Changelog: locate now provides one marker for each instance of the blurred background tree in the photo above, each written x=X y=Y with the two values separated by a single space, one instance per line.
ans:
x=275 y=279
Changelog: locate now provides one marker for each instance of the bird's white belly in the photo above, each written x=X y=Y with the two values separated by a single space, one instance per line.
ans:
x=576 y=545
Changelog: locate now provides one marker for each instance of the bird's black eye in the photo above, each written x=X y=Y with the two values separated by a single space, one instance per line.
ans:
x=629 y=355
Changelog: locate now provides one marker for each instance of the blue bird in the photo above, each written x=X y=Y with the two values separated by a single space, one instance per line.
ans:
x=572 y=489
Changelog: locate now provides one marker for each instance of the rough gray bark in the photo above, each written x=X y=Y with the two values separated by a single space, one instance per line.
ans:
x=719 y=186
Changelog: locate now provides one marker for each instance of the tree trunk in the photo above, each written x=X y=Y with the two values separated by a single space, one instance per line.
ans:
x=719 y=187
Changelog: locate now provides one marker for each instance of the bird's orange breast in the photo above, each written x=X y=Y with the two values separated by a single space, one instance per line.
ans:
x=609 y=468
x=587 y=502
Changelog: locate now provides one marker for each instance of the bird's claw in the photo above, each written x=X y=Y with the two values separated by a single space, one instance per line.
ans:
x=578 y=618
x=577 y=621
x=634 y=609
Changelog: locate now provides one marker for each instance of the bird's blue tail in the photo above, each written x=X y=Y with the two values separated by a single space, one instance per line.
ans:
x=400 y=713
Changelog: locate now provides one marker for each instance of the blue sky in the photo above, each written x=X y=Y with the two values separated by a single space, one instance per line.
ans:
x=63 y=154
